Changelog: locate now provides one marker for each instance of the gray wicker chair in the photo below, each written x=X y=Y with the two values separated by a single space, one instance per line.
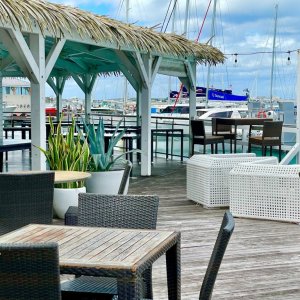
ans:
x=216 y=258
x=71 y=215
x=123 y=211
x=25 y=198
x=29 y=271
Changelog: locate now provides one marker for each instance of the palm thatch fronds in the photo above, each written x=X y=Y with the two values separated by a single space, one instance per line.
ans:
x=57 y=19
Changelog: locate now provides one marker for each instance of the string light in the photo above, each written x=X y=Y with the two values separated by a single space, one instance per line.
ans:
x=289 y=58
x=235 y=60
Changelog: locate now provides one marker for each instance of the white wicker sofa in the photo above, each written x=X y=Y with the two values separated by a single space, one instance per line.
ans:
x=265 y=191
x=208 y=177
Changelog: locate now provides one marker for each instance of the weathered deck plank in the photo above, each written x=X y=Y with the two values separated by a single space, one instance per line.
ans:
x=262 y=260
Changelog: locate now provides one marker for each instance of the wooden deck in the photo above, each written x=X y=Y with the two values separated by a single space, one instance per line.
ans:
x=262 y=260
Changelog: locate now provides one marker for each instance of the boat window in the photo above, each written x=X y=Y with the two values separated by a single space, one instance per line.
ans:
x=221 y=114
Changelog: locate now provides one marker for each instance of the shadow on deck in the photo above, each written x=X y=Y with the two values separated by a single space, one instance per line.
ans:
x=262 y=260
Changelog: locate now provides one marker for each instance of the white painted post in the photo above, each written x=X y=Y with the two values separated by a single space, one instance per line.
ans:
x=60 y=83
x=1 y=107
x=145 y=104
x=38 y=119
x=298 y=105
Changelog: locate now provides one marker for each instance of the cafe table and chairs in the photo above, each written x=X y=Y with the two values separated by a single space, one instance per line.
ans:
x=114 y=252
x=237 y=122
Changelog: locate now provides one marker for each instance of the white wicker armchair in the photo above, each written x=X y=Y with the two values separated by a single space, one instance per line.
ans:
x=265 y=191
x=207 y=177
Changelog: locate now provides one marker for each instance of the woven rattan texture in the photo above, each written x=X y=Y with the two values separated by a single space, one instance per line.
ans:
x=24 y=199
x=29 y=271
x=217 y=255
x=123 y=211
x=207 y=177
x=265 y=191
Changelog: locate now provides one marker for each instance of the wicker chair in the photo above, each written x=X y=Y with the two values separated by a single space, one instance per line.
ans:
x=25 y=198
x=123 y=211
x=200 y=137
x=29 y=271
x=216 y=258
x=271 y=136
x=71 y=215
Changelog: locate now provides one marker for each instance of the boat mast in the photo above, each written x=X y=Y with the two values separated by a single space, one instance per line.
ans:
x=125 y=99
x=210 y=42
x=187 y=11
x=273 y=56
x=173 y=31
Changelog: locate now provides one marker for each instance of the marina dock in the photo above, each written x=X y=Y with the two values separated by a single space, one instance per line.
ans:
x=262 y=260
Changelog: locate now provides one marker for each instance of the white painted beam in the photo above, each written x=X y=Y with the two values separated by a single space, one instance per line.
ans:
x=53 y=55
x=19 y=50
x=131 y=69
x=146 y=78
x=155 y=67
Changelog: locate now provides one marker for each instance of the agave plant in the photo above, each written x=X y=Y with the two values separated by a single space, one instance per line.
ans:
x=101 y=159
x=66 y=152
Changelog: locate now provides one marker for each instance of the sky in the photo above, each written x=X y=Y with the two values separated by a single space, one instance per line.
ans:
x=244 y=32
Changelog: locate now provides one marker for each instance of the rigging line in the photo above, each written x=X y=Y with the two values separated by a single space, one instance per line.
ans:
x=197 y=39
x=175 y=3
x=119 y=8
x=162 y=26
x=263 y=52
x=200 y=31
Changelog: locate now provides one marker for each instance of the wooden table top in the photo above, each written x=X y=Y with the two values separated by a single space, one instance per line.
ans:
x=70 y=176
x=242 y=121
x=94 y=247
x=63 y=176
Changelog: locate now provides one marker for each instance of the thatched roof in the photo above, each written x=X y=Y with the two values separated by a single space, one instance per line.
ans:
x=57 y=19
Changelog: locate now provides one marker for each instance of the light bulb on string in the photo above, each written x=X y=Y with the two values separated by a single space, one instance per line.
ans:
x=288 y=62
x=235 y=60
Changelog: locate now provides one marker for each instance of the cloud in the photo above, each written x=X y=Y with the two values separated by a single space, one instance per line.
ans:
x=244 y=27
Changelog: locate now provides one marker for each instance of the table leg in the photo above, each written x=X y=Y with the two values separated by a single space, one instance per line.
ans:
x=1 y=162
x=129 y=288
x=235 y=132
x=181 y=145
x=174 y=272
x=152 y=146
x=167 y=144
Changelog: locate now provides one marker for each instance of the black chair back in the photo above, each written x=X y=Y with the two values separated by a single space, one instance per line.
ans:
x=25 y=198
x=29 y=271
x=198 y=128
x=125 y=177
x=220 y=128
x=272 y=129
x=216 y=258
x=123 y=211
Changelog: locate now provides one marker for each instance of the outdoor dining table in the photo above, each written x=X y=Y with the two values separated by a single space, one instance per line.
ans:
x=240 y=122
x=121 y=253
x=12 y=145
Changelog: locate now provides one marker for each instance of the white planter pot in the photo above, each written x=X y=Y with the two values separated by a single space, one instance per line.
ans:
x=105 y=183
x=63 y=198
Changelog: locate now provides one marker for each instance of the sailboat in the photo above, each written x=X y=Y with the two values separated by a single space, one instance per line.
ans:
x=213 y=94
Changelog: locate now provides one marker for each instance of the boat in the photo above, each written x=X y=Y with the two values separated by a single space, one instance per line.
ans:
x=213 y=94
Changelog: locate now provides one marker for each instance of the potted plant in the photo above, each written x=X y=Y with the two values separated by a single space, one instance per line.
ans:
x=67 y=152
x=103 y=164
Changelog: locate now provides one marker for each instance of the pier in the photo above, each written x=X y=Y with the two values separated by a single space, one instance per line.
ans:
x=262 y=260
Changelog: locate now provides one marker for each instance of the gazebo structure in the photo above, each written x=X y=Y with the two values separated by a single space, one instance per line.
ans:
x=48 y=42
